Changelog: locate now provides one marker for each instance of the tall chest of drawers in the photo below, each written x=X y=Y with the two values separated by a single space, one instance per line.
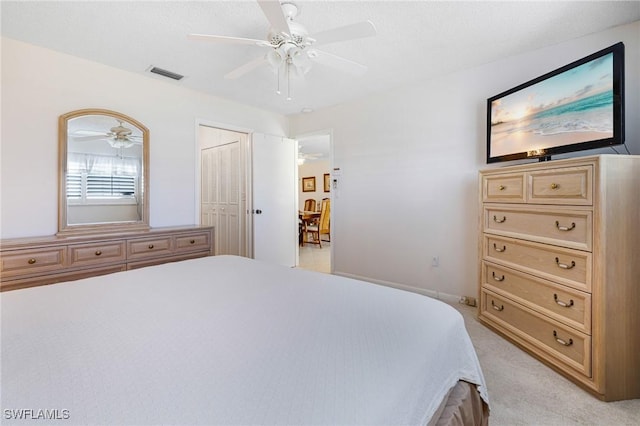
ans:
x=560 y=266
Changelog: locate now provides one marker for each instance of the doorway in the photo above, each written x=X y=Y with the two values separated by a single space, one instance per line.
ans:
x=314 y=183
x=246 y=189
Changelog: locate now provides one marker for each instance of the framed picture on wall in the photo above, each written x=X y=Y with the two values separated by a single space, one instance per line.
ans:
x=327 y=182
x=309 y=184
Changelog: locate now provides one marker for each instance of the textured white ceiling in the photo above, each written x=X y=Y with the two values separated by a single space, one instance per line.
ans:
x=416 y=40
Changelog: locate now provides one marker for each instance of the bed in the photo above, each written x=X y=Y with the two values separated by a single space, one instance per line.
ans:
x=230 y=340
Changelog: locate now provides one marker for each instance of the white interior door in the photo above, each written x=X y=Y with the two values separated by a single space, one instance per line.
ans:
x=275 y=218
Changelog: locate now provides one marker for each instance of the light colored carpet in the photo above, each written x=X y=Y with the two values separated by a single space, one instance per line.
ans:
x=523 y=391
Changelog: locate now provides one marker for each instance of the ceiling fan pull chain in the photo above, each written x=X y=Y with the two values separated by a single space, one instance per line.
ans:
x=278 y=80
x=288 y=65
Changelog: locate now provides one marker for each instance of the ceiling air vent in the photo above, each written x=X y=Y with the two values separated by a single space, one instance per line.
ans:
x=166 y=73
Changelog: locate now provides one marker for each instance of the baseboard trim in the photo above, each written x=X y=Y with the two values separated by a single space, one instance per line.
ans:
x=445 y=297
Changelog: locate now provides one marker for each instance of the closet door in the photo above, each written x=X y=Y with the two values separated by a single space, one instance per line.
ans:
x=209 y=189
x=221 y=194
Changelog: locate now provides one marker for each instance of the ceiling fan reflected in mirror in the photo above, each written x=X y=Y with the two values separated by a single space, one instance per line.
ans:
x=291 y=49
x=118 y=136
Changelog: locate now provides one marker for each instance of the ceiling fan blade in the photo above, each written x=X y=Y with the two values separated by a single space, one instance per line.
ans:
x=243 y=69
x=226 y=39
x=90 y=138
x=273 y=11
x=337 y=62
x=348 y=32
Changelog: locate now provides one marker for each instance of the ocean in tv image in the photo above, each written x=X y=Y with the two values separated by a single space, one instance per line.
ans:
x=571 y=107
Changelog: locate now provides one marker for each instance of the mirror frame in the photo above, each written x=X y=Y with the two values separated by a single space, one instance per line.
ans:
x=104 y=227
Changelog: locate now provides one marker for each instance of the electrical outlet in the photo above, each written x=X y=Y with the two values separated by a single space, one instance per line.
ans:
x=435 y=261
x=469 y=301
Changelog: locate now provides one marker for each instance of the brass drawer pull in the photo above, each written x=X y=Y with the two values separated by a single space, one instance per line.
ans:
x=496 y=307
x=500 y=250
x=31 y=261
x=561 y=341
x=98 y=253
x=150 y=246
x=564 y=228
x=497 y=278
x=192 y=241
x=564 y=265
x=561 y=303
x=555 y=186
x=496 y=220
x=502 y=187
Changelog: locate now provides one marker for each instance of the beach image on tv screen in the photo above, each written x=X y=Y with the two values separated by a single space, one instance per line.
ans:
x=572 y=107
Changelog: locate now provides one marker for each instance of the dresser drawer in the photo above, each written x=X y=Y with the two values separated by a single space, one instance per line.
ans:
x=150 y=247
x=566 y=266
x=59 y=277
x=163 y=260
x=97 y=253
x=564 y=227
x=564 y=304
x=571 y=185
x=32 y=261
x=565 y=344
x=506 y=188
x=193 y=242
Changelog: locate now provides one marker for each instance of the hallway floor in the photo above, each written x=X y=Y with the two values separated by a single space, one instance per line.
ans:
x=314 y=258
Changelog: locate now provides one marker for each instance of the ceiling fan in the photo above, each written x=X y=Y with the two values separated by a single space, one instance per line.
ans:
x=303 y=157
x=291 y=49
x=118 y=136
x=311 y=155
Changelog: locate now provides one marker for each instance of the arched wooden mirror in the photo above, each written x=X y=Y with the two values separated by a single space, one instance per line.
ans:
x=104 y=173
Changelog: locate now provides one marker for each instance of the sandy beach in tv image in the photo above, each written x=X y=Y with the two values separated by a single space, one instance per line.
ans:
x=572 y=107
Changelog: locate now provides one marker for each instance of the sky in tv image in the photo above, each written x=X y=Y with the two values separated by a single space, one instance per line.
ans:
x=572 y=107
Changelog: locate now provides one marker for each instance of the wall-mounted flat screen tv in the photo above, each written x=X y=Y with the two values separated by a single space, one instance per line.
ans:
x=579 y=106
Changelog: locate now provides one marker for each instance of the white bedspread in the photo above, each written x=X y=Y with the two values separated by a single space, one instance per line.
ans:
x=228 y=340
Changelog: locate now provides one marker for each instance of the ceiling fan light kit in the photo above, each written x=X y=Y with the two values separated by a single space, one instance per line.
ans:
x=289 y=41
x=120 y=143
x=119 y=137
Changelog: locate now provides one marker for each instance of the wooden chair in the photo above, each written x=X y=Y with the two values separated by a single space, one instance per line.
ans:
x=310 y=205
x=322 y=225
